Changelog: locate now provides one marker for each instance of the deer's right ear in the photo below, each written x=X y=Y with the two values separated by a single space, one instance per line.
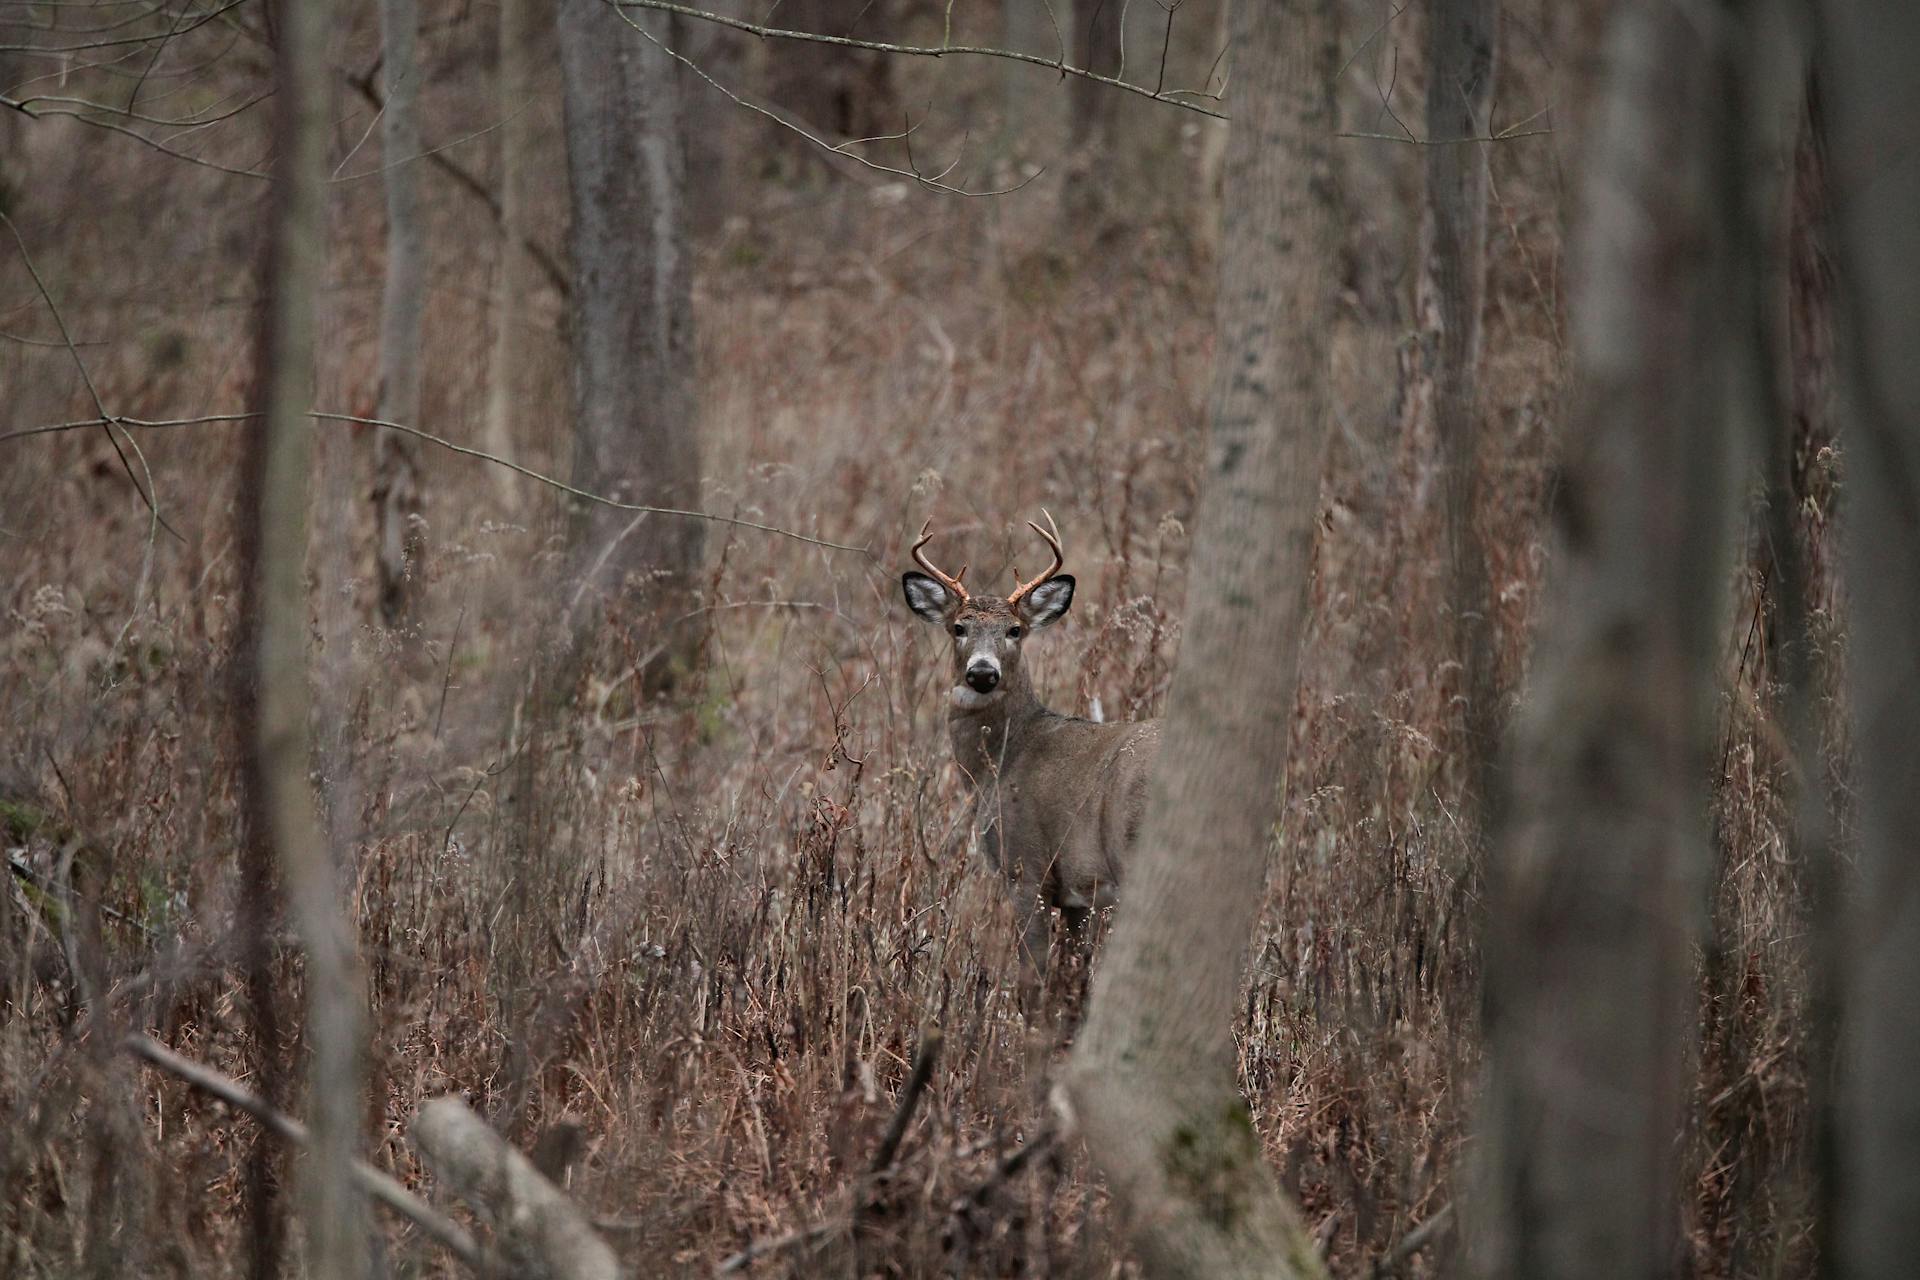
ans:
x=926 y=597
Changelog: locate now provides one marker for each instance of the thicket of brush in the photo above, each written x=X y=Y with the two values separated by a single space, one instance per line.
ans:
x=712 y=930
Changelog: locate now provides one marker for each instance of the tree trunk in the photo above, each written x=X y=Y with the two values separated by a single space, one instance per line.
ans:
x=634 y=430
x=1152 y=1082
x=1597 y=890
x=1462 y=39
x=1876 y=190
x=279 y=795
x=1092 y=185
x=1029 y=94
x=838 y=93
x=514 y=282
x=848 y=93
x=396 y=457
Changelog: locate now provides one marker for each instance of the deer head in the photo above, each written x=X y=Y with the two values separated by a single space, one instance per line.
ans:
x=988 y=630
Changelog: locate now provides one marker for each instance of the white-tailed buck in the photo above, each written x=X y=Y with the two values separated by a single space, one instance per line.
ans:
x=1057 y=800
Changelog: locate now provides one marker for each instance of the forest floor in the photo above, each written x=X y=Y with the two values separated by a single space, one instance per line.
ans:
x=713 y=930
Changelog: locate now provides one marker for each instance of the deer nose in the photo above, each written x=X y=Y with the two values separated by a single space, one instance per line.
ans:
x=982 y=678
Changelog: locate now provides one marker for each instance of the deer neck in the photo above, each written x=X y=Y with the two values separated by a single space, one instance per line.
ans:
x=987 y=740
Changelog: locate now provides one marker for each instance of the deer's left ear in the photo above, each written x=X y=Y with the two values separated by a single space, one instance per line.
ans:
x=1048 y=603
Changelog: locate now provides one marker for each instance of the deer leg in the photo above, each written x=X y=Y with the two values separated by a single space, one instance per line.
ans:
x=1036 y=941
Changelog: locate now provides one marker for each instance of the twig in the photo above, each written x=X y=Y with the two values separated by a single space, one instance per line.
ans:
x=883 y=1158
x=444 y=443
x=542 y=257
x=923 y=1061
x=20 y=868
x=446 y=680
x=106 y=419
x=1415 y=1240
x=933 y=184
x=737 y=1262
x=377 y=1185
x=1009 y=1168
x=1503 y=136
x=924 y=51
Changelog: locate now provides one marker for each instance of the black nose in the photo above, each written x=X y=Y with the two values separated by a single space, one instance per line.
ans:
x=982 y=679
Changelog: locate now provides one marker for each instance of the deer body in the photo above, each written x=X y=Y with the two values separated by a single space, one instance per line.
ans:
x=1057 y=800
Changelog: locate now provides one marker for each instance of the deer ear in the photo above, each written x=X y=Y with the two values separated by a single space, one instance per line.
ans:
x=926 y=597
x=1048 y=603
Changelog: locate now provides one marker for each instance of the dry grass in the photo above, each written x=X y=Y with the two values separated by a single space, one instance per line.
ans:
x=713 y=930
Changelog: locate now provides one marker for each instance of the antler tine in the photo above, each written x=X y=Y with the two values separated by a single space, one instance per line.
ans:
x=950 y=583
x=1059 y=558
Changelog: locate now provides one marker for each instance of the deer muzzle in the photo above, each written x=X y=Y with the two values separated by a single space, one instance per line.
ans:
x=983 y=675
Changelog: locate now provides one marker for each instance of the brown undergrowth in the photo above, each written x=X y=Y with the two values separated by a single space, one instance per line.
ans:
x=712 y=931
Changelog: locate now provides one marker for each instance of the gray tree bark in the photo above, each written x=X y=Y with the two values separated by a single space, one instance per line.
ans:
x=280 y=796
x=1093 y=178
x=516 y=277
x=1462 y=39
x=1875 y=103
x=402 y=301
x=1152 y=1081
x=1597 y=889
x=635 y=436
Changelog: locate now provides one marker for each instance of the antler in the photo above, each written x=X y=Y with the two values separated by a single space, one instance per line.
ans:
x=1059 y=559
x=951 y=584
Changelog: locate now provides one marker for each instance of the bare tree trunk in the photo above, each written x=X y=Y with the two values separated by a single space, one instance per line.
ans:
x=396 y=457
x=1462 y=37
x=1875 y=102
x=514 y=282
x=280 y=796
x=846 y=92
x=634 y=426
x=1152 y=1081
x=1598 y=886
x=1092 y=185
x=1800 y=499
x=1029 y=94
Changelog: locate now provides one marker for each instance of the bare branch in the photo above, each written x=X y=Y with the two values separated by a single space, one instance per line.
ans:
x=378 y=1186
x=73 y=350
x=1174 y=98
x=549 y=265
x=934 y=183
x=150 y=424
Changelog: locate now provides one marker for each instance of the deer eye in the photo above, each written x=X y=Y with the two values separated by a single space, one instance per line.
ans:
x=1013 y=632
x=959 y=629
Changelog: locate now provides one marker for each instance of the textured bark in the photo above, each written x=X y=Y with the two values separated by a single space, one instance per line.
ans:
x=1598 y=884
x=516 y=277
x=1152 y=1081
x=1875 y=127
x=1461 y=43
x=1798 y=586
x=402 y=300
x=634 y=429
x=279 y=794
